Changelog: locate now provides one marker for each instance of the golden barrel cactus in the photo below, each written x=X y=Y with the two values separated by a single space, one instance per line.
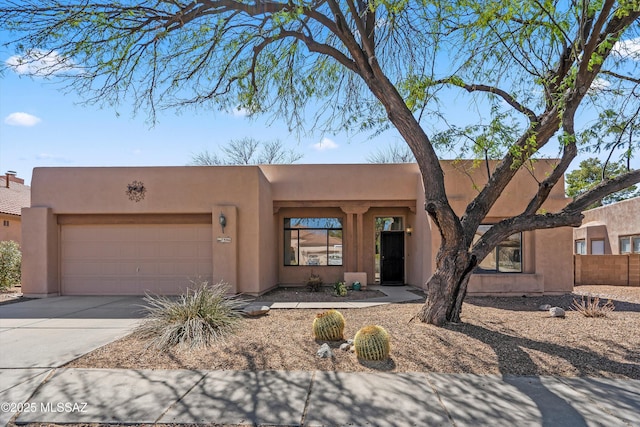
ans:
x=329 y=326
x=372 y=343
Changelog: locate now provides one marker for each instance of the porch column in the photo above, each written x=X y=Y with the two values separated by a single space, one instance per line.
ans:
x=355 y=235
x=350 y=247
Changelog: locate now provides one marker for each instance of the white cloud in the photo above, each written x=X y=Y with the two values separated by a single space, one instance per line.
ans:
x=240 y=112
x=21 y=119
x=39 y=63
x=325 y=144
x=53 y=158
x=599 y=84
x=628 y=48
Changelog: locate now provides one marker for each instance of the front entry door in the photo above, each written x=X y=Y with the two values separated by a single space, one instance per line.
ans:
x=392 y=257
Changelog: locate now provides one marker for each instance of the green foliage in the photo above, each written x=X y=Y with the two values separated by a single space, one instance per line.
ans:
x=201 y=317
x=314 y=282
x=329 y=326
x=372 y=343
x=340 y=288
x=10 y=263
x=590 y=173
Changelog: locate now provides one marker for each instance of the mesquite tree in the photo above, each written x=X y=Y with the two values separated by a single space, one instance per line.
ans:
x=366 y=65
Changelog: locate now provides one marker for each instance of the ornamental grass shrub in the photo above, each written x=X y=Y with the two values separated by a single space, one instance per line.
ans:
x=201 y=317
x=10 y=264
x=590 y=307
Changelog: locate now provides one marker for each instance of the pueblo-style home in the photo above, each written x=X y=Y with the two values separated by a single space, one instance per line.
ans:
x=133 y=230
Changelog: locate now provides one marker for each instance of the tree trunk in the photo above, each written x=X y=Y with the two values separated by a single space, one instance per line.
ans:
x=447 y=287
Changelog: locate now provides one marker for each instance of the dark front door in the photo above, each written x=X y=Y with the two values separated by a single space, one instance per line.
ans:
x=392 y=257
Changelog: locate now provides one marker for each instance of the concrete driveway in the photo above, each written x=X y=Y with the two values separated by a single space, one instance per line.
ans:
x=39 y=335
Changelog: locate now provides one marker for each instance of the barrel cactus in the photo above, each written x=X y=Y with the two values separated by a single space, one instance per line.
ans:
x=329 y=326
x=372 y=343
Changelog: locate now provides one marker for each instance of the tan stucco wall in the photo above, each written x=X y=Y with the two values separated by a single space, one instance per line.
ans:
x=39 y=252
x=257 y=199
x=13 y=230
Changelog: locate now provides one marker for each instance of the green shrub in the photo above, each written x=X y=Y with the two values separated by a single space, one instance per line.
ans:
x=340 y=288
x=199 y=318
x=10 y=263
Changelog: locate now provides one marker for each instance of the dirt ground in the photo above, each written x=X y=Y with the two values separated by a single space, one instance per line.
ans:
x=496 y=336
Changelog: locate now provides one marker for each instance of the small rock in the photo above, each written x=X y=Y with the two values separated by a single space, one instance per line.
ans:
x=544 y=307
x=352 y=349
x=324 y=351
x=345 y=346
x=349 y=342
x=256 y=310
x=556 y=312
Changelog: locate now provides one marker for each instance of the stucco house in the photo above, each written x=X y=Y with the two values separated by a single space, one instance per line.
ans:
x=14 y=196
x=131 y=230
x=607 y=245
x=609 y=230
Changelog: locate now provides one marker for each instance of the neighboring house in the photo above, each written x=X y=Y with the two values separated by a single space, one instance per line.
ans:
x=609 y=230
x=14 y=196
x=607 y=245
x=131 y=230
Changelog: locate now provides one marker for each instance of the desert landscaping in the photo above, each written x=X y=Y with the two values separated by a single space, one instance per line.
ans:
x=497 y=336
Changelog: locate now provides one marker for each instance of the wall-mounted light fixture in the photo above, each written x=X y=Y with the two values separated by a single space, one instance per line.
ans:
x=409 y=230
x=223 y=221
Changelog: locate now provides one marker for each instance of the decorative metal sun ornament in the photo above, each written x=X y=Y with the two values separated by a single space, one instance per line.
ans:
x=136 y=191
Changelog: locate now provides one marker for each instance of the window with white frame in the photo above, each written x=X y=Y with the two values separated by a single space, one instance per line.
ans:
x=629 y=245
x=581 y=247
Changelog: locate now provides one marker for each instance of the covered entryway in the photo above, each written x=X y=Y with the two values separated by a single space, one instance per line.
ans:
x=132 y=259
x=392 y=257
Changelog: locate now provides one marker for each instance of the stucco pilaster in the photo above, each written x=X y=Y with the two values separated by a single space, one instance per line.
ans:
x=40 y=275
x=225 y=246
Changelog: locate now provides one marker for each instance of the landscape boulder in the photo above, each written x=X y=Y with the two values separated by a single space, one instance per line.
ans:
x=256 y=310
x=324 y=351
x=556 y=312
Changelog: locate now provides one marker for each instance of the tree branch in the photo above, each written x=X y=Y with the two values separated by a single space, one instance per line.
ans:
x=491 y=89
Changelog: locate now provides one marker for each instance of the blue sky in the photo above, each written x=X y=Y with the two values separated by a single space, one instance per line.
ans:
x=42 y=125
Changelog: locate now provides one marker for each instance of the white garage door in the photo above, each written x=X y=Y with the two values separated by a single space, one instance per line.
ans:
x=134 y=259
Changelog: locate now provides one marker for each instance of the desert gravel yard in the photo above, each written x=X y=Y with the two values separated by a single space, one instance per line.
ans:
x=497 y=336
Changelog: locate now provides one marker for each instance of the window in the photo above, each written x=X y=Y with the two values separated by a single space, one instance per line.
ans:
x=5 y=223
x=313 y=241
x=597 y=247
x=581 y=247
x=505 y=258
x=625 y=245
x=630 y=244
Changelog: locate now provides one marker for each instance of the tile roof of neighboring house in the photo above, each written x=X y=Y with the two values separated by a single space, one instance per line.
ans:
x=14 y=198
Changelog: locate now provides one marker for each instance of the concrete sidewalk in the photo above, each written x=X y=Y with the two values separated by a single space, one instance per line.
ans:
x=393 y=295
x=329 y=399
x=39 y=335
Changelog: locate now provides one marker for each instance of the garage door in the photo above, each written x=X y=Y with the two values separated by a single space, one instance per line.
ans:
x=134 y=259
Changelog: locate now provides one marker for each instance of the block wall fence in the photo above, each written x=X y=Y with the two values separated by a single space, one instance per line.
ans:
x=615 y=270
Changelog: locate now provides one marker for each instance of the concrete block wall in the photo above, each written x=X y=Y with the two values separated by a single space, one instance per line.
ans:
x=615 y=270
